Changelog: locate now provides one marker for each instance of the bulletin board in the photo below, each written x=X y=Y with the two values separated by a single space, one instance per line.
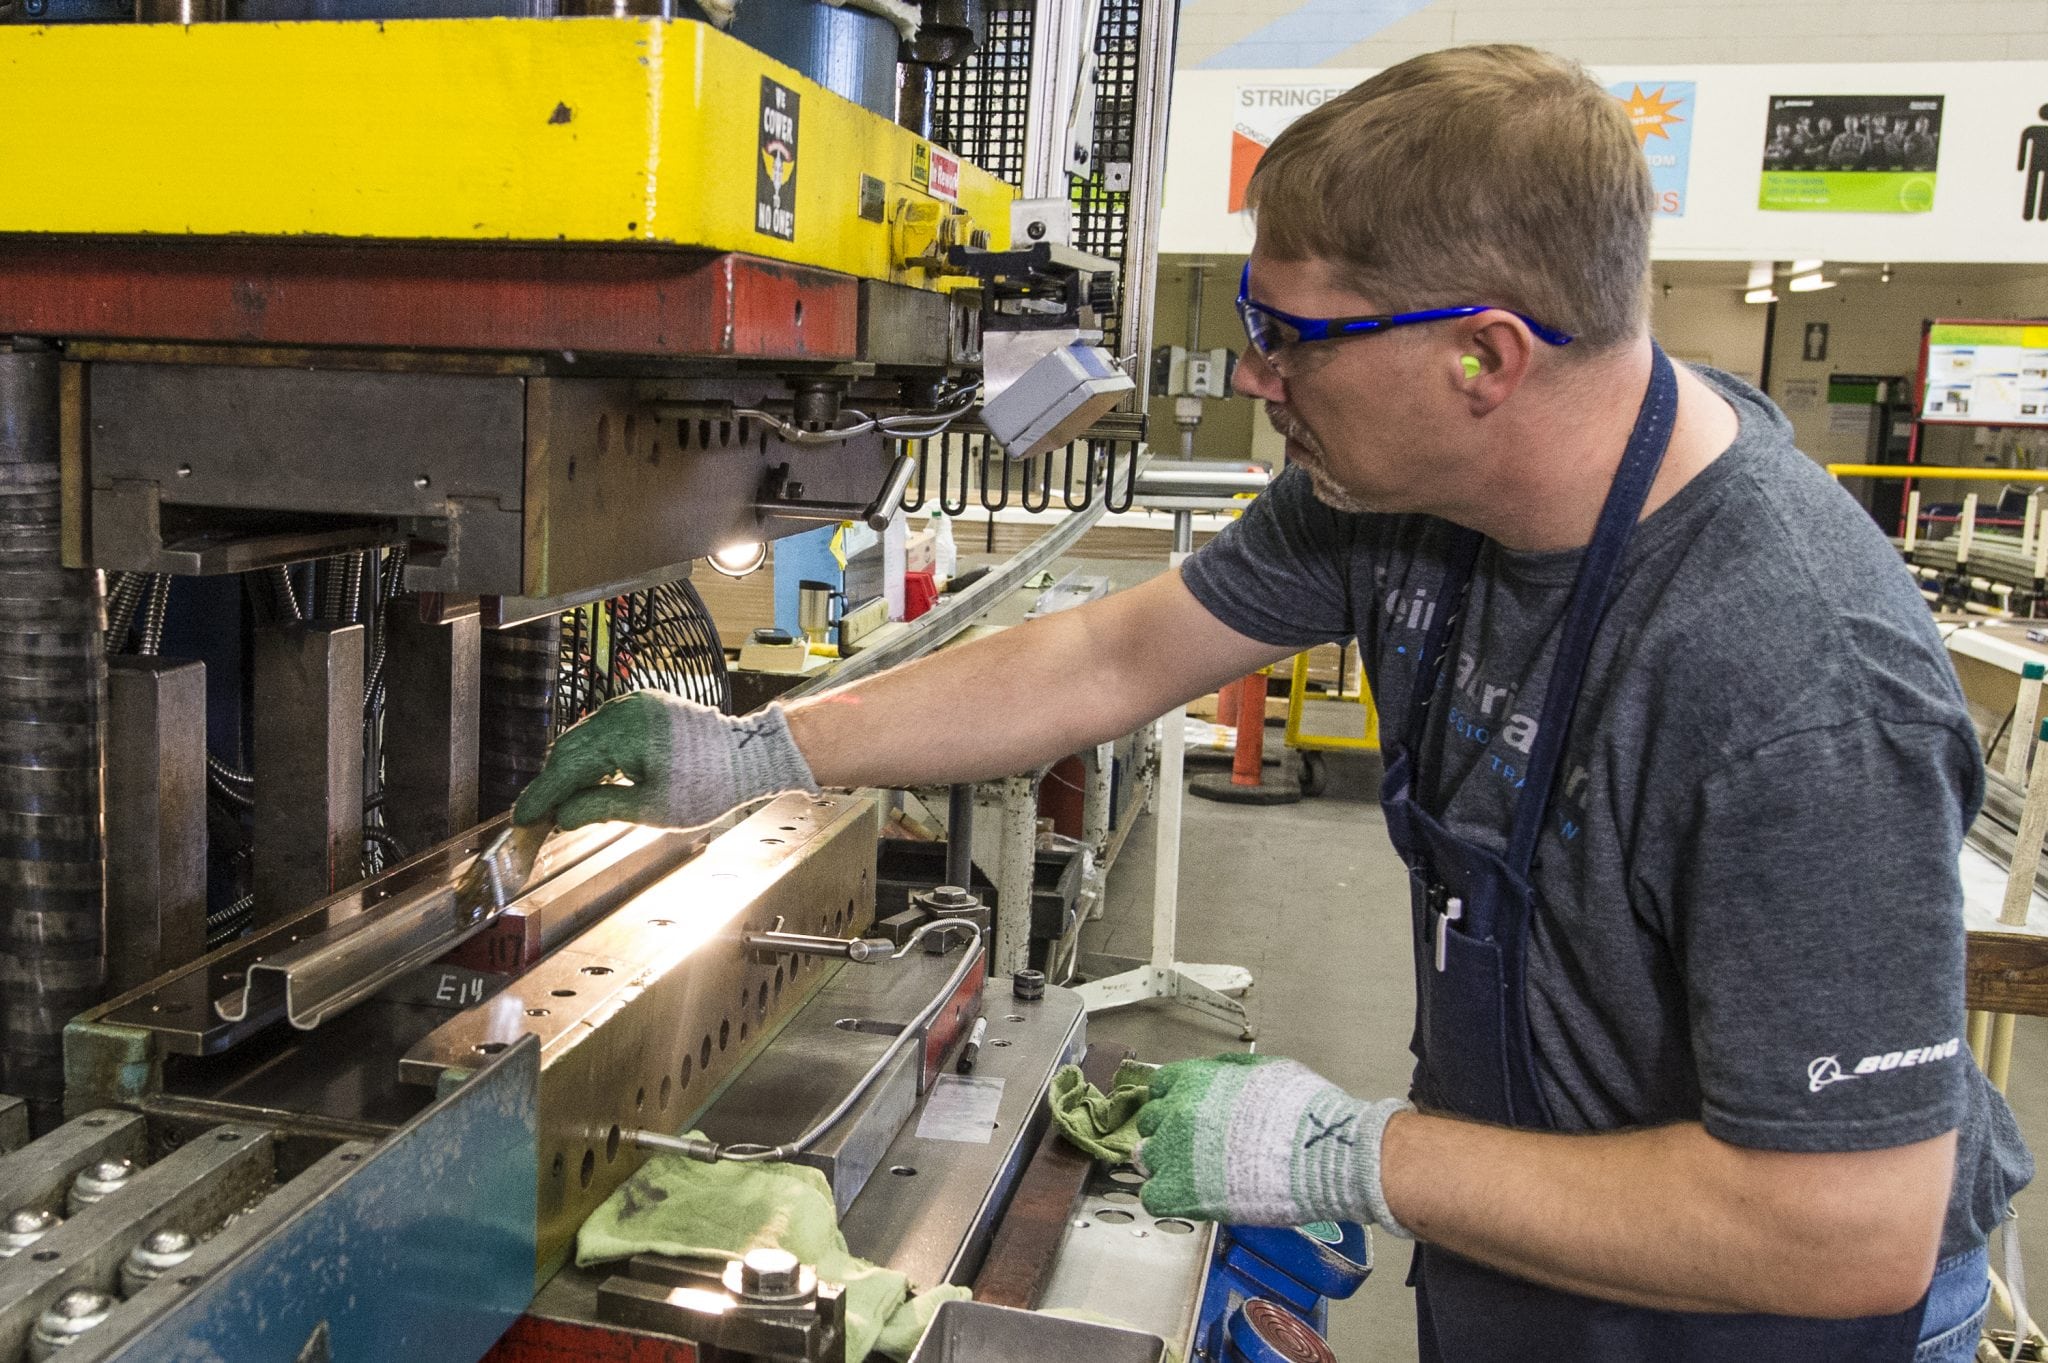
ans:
x=1985 y=374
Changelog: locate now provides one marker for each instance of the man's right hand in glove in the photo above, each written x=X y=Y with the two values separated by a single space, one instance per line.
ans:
x=687 y=764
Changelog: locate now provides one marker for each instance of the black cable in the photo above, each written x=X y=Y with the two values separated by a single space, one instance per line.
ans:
x=1039 y=471
x=2003 y=725
x=352 y=589
x=229 y=922
x=122 y=600
x=282 y=593
x=153 y=617
x=237 y=788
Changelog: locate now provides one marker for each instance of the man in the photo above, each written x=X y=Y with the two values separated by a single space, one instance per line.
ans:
x=1675 y=758
x=1920 y=145
x=1850 y=147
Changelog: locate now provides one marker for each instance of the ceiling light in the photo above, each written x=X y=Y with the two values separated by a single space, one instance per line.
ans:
x=1760 y=274
x=1806 y=266
x=1809 y=283
x=1760 y=296
x=737 y=560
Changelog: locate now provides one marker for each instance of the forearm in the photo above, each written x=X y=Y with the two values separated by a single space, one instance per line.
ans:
x=1671 y=1217
x=1024 y=696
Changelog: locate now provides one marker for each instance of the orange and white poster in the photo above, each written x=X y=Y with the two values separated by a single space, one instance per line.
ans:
x=1262 y=112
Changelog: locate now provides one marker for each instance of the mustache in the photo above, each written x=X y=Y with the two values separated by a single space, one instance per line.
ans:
x=1291 y=428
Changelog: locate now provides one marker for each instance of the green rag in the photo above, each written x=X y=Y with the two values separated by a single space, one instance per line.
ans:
x=1104 y=1125
x=689 y=1209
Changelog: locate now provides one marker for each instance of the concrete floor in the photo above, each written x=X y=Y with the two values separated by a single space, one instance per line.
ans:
x=1312 y=900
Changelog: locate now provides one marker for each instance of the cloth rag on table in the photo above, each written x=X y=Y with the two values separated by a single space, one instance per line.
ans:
x=690 y=1209
x=1104 y=1125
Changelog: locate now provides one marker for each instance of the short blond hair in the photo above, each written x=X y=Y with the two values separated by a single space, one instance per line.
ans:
x=1490 y=174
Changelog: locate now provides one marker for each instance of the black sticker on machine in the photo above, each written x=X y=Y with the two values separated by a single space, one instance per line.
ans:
x=775 y=176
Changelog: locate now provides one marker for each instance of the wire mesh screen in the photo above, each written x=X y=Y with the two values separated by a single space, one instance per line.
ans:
x=661 y=639
x=1102 y=201
x=981 y=108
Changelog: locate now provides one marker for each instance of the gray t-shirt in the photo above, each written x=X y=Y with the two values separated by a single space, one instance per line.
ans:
x=1751 y=914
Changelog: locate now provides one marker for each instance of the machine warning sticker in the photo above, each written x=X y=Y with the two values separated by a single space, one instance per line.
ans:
x=945 y=176
x=775 y=176
x=921 y=166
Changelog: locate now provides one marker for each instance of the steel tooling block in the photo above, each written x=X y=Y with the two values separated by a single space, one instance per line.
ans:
x=643 y=1018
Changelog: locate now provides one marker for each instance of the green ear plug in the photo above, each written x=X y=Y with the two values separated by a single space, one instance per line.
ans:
x=1471 y=364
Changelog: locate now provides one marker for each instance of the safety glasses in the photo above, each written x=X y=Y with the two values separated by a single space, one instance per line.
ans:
x=1273 y=331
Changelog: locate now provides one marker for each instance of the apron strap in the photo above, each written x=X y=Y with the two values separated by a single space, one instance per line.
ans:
x=2016 y=1283
x=1429 y=666
x=1591 y=592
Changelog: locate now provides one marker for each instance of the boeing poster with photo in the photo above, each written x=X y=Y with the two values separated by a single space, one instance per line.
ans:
x=1851 y=153
x=1661 y=113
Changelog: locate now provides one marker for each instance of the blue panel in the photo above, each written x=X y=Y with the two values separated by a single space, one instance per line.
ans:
x=801 y=557
x=425 y=1252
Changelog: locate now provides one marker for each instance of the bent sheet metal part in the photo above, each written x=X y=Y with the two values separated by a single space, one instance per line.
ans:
x=333 y=970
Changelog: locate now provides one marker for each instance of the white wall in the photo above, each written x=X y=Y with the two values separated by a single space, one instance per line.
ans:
x=1708 y=323
x=1374 y=33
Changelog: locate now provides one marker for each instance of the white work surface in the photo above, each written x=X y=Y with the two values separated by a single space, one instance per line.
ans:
x=1984 y=894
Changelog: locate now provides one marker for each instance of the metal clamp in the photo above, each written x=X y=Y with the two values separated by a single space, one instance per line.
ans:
x=767 y=1305
x=766 y=946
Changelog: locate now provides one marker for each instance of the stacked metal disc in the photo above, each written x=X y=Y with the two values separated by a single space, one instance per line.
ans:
x=516 y=709
x=53 y=699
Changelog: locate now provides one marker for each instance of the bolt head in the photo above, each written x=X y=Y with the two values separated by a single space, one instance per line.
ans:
x=769 y=1273
x=1028 y=984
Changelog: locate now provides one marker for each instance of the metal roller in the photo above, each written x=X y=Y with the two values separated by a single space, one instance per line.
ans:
x=52 y=736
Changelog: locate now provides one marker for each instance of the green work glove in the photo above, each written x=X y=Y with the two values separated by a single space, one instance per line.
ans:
x=1254 y=1140
x=687 y=764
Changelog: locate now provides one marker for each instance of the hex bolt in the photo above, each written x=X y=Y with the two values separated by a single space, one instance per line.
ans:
x=23 y=1227
x=159 y=1253
x=1028 y=984
x=70 y=1316
x=769 y=1273
x=97 y=1181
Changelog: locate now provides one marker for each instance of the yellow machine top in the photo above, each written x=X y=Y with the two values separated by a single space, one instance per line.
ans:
x=585 y=132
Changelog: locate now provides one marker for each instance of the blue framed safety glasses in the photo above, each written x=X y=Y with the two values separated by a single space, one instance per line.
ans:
x=1271 y=330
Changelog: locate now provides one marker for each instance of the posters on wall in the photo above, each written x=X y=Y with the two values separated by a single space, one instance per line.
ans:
x=1987 y=374
x=1661 y=114
x=1263 y=111
x=1851 y=153
x=1659 y=111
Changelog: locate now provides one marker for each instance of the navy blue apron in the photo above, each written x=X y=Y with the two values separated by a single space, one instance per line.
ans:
x=1474 y=1055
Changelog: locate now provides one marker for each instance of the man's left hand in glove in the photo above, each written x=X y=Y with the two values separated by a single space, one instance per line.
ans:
x=1258 y=1141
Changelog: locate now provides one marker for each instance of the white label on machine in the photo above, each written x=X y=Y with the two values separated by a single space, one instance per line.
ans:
x=961 y=1108
x=945 y=176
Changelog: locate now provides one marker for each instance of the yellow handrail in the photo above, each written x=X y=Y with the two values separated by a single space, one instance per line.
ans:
x=1938 y=471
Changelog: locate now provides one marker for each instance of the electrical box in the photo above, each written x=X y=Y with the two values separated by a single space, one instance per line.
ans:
x=1182 y=373
x=1055 y=400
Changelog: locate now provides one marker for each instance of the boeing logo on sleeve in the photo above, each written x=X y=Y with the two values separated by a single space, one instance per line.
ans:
x=1827 y=1069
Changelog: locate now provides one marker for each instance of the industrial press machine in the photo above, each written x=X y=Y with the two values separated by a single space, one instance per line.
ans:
x=372 y=372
